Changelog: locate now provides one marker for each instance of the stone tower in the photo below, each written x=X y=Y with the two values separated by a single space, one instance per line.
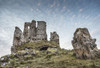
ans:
x=41 y=30
x=54 y=37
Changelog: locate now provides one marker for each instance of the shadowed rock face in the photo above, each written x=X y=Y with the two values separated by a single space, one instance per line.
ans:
x=83 y=44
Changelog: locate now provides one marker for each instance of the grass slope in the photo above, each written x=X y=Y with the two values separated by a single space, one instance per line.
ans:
x=60 y=58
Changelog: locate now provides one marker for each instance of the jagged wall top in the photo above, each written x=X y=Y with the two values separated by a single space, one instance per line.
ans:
x=31 y=32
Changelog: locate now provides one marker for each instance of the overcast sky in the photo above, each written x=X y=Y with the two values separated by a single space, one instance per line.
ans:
x=62 y=16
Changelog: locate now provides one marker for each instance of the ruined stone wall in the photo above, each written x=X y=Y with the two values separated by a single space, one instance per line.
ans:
x=26 y=32
x=54 y=37
x=18 y=37
x=33 y=30
x=30 y=31
x=41 y=30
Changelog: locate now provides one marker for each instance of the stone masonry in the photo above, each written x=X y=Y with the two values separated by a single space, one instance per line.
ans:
x=31 y=32
x=41 y=31
x=18 y=37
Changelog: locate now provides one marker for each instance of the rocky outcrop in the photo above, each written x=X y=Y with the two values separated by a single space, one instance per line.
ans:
x=54 y=37
x=83 y=44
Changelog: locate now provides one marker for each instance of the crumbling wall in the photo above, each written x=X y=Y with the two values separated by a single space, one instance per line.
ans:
x=33 y=30
x=54 y=37
x=26 y=32
x=18 y=37
x=30 y=33
x=41 y=30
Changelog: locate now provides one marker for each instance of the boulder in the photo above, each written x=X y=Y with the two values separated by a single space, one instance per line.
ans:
x=83 y=44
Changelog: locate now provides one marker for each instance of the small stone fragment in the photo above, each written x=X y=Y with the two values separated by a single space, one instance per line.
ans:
x=54 y=37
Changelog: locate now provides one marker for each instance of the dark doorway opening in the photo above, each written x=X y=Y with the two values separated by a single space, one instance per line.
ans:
x=44 y=48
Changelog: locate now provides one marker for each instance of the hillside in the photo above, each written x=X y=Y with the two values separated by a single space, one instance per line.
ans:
x=36 y=55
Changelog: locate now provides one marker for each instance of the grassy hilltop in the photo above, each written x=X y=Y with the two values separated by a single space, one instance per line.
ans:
x=45 y=54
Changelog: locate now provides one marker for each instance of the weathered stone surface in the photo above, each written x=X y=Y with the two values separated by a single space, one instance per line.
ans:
x=54 y=37
x=33 y=30
x=18 y=37
x=41 y=30
x=83 y=44
x=33 y=33
x=26 y=32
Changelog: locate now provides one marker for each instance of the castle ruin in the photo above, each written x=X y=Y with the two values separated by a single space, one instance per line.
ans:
x=33 y=32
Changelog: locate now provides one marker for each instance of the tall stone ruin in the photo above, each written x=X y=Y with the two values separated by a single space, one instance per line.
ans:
x=31 y=32
x=18 y=37
x=83 y=44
